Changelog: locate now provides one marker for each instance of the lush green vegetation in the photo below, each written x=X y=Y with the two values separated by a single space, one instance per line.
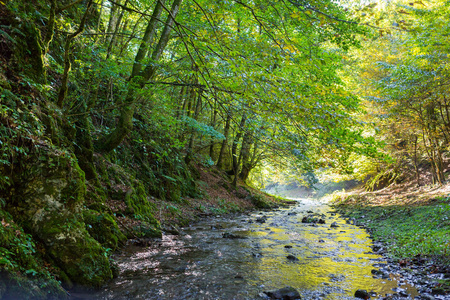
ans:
x=408 y=231
x=119 y=115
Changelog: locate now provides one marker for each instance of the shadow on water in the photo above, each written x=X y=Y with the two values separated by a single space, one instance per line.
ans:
x=201 y=264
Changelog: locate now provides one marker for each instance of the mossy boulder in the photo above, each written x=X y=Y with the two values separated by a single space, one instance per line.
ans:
x=138 y=204
x=48 y=205
x=14 y=286
x=103 y=228
x=22 y=275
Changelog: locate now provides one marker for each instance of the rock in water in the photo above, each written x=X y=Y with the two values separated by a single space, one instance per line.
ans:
x=362 y=294
x=227 y=235
x=334 y=225
x=292 y=258
x=286 y=293
x=261 y=220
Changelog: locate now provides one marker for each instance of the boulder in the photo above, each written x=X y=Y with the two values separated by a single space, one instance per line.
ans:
x=261 y=220
x=315 y=219
x=334 y=225
x=286 y=293
x=49 y=206
x=228 y=235
x=292 y=258
x=362 y=294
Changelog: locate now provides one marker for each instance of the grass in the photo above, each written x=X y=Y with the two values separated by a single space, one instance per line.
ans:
x=407 y=231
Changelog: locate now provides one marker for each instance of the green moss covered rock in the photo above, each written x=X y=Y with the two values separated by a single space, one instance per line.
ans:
x=103 y=228
x=22 y=275
x=48 y=205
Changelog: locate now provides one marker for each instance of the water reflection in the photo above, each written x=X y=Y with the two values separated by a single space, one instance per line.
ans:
x=332 y=262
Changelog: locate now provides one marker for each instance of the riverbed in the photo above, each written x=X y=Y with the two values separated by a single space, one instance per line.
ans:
x=241 y=256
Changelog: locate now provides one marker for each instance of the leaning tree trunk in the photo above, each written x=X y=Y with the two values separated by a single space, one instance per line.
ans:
x=138 y=79
x=113 y=38
x=67 y=65
x=113 y=18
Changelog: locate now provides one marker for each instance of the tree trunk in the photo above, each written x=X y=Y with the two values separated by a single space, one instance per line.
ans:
x=125 y=124
x=148 y=37
x=247 y=141
x=189 y=151
x=113 y=18
x=112 y=40
x=416 y=163
x=213 y=125
x=50 y=26
x=234 y=156
x=99 y=21
x=226 y=132
x=67 y=65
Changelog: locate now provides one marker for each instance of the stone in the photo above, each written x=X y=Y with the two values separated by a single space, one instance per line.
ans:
x=334 y=225
x=314 y=219
x=377 y=272
x=228 y=235
x=50 y=207
x=286 y=293
x=426 y=296
x=292 y=257
x=362 y=294
x=261 y=220
x=438 y=291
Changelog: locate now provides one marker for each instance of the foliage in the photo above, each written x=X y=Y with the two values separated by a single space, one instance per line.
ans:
x=403 y=76
x=20 y=255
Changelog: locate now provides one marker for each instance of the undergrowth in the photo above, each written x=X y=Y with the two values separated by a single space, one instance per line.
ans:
x=408 y=231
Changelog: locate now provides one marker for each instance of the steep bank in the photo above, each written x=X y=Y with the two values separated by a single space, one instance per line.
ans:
x=66 y=205
x=411 y=226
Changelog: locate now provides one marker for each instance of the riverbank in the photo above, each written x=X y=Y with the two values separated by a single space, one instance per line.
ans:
x=410 y=226
x=218 y=197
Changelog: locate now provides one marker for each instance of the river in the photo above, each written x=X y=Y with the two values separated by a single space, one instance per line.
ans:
x=239 y=257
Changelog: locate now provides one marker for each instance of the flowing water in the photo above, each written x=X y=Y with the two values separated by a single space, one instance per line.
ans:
x=201 y=264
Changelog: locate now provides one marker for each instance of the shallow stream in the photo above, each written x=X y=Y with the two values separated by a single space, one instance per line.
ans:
x=209 y=261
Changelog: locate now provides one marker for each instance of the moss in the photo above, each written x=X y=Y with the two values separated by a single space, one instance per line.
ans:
x=79 y=255
x=259 y=202
x=147 y=230
x=139 y=206
x=29 y=50
x=23 y=275
x=48 y=205
x=407 y=231
x=85 y=149
x=20 y=287
x=103 y=228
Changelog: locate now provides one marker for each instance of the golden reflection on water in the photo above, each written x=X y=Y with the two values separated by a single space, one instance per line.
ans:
x=342 y=259
x=201 y=264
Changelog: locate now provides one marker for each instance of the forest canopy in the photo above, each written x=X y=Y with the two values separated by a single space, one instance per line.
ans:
x=238 y=82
